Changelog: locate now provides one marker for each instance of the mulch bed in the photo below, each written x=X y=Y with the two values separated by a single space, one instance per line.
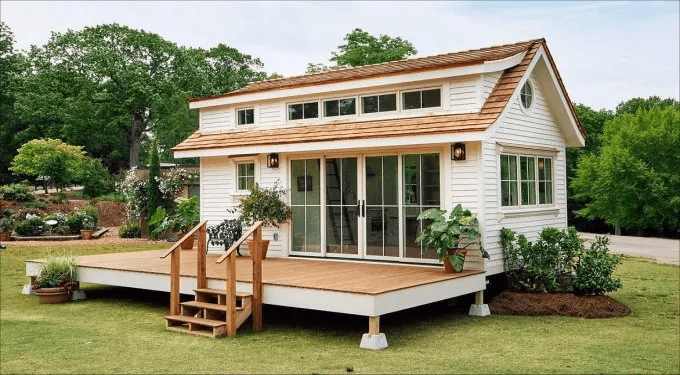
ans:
x=566 y=304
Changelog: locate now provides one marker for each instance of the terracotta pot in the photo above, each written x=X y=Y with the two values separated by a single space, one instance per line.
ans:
x=188 y=244
x=5 y=236
x=448 y=267
x=265 y=247
x=86 y=233
x=53 y=295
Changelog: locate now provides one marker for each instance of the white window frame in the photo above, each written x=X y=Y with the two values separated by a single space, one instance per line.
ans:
x=533 y=97
x=245 y=109
x=323 y=107
x=396 y=99
x=441 y=101
x=303 y=119
x=239 y=162
x=535 y=156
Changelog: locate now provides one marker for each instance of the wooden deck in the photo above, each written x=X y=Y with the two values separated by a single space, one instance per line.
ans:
x=345 y=286
x=332 y=275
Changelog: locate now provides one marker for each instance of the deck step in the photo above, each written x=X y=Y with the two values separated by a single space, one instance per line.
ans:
x=199 y=321
x=221 y=292
x=207 y=306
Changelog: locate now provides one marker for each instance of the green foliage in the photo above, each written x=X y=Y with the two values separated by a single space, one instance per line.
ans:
x=8 y=213
x=456 y=231
x=159 y=223
x=635 y=181
x=62 y=162
x=5 y=224
x=96 y=179
x=362 y=48
x=57 y=271
x=31 y=227
x=557 y=261
x=595 y=268
x=632 y=106
x=112 y=197
x=59 y=198
x=264 y=204
x=187 y=214
x=10 y=65
x=153 y=195
x=17 y=192
x=36 y=204
x=130 y=229
x=85 y=218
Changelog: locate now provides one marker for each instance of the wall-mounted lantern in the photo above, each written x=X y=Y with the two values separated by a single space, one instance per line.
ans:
x=273 y=160
x=458 y=151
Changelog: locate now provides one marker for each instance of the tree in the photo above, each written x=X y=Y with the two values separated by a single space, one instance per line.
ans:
x=593 y=123
x=362 y=48
x=153 y=195
x=9 y=67
x=635 y=181
x=631 y=106
x=124 y=83
x=59 y=161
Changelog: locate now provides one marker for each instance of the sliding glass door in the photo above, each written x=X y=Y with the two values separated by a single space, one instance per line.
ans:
x=382 y=206
x=342 y=206
x=305 y=199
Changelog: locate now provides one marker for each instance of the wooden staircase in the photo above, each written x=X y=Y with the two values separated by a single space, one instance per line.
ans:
x=215 y=312
x=207 y=314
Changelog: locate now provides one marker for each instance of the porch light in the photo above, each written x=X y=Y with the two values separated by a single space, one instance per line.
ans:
x=458 y=151
x=273 y=160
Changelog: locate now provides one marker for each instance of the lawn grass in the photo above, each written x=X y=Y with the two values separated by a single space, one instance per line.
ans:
x=119 y=330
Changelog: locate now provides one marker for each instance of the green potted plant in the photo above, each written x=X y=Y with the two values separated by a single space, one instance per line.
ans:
x=5 y=229
x=87 y=225
x=57 y=279
x=450 y=235
x=187 y=216
x=266 y=205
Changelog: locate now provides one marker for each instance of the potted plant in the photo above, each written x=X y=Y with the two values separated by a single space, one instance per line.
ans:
x=88 y=226
x=226 y=233
x=266 y=205
x=57 y=279
x=5 y=229
x=187 y=215
x=451 y=235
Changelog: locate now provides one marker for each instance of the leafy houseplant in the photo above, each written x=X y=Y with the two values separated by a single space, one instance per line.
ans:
x=266 y=205
x=57 y=278
x=186 y=216
x=450 y=235
x=226 y=233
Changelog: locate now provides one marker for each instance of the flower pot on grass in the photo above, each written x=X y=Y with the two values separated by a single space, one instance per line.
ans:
x=5 y=236
x=57 y=279
x=53 y=295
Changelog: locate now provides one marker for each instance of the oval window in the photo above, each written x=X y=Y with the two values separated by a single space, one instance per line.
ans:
x=526 y=95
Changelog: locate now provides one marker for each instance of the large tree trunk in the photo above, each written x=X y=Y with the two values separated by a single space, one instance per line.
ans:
x=139 y=125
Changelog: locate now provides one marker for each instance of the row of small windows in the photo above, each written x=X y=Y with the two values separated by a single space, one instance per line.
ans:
x=430 y=98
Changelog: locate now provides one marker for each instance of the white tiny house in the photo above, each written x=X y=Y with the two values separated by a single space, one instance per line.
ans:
x=363 y=151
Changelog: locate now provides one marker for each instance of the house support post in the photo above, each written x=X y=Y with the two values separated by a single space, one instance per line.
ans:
x=373 y=340
x=28 y=288
x=77 y=294
x=479 y=308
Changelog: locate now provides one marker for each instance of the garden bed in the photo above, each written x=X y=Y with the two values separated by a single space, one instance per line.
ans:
x=47 y=238
x=564 y=304
x=111 y=214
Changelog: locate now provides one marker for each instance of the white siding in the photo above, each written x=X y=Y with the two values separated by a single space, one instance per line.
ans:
x=464 y=94
x=536 y=127
x=270 y=114
x=489 y=81
x=465 y=179
x=216 y=119
x=218 y=188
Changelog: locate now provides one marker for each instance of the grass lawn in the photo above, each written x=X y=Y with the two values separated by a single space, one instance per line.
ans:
x=118 y=330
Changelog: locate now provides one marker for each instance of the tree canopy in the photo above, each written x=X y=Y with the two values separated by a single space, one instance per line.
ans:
x=61 y=162
x=634 y=182
x=362 y=48
x=108 y=87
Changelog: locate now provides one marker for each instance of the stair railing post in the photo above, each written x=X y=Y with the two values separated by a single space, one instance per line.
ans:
x=231 y=294
x=174 y=282
x=201 y=281
x=257 y=280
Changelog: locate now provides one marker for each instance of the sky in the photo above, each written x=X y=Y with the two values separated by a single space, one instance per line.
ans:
x=606 y=52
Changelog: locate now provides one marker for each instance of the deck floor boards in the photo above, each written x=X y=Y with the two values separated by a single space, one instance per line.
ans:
x=324 y=274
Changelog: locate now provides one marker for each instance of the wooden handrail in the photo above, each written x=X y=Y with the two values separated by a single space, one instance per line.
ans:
x=186 y=236
x=240 y=241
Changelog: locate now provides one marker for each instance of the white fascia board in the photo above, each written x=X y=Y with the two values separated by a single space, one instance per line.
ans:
x=486 y=67
x=337 y=145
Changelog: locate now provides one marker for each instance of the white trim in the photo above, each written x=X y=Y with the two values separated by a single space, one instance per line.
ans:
x=385 y=93
x=529 y=211
x=420 y=90
x=503 y=147
x=353 y=144
x=339 y=116
x=529 y=110
x=256 y=169
x=304 y=119
x=488 y=66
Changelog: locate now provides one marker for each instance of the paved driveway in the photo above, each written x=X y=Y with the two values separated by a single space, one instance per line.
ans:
x=657 y=249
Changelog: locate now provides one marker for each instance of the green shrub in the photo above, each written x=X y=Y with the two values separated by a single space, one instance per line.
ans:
x=594 y=269
x=59 y=198
x=130 y=229
x=96 y=180
x=57 y=271
x=36 y=204
x=113 y=197
x=61 y=230
x=16 y=192
x=31 y=227
x=8 y=213
x=85 y=218
x=5 y=224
